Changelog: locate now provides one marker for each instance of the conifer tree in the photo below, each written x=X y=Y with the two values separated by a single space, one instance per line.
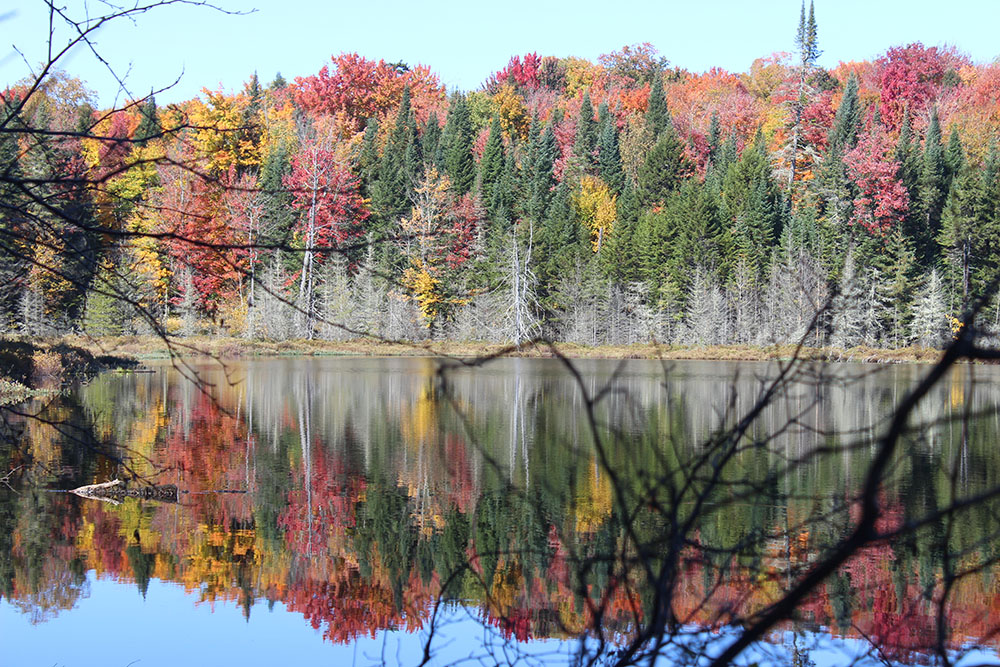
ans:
x=457 y=147
x=609 y=159
x=431 y=139
x=847 y=121
x=149 y=121
x=931 y=193
x=657 y=113
x=368 y=158
x=393 y=187
x=714 y=137
x=954 y=155
x=542 y=178
x=492 y=163
x=666 y=166
x=586 y=132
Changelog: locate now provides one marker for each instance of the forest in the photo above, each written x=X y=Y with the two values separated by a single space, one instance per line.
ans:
x=608 y=202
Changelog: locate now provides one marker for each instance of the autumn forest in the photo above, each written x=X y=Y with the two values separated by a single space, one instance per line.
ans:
x=617 y=201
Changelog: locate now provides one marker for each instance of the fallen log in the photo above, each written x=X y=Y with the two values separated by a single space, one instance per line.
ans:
x=116 y=490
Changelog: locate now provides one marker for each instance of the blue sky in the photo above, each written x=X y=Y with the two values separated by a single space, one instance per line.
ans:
x=465 y=41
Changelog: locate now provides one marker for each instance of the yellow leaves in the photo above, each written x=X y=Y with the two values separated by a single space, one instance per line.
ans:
x=425 y=289
x=580 y=74
x=514 y=118
x=595 y=206
x=218 y=131
x=594 y=500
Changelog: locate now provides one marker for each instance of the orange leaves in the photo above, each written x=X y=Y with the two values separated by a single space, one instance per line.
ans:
x=360 y=89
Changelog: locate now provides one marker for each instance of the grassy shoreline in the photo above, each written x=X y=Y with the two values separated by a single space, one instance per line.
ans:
x=151 y=347
x=31 y=367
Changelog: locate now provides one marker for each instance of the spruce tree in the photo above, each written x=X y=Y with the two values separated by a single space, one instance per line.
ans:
x=609 y=159
x=665 y=168
x=431 y=139
x=931 y=193
x=149 y=121
x=393 y=187
x=368 y=158
x=954 y=155
x=847 y=121
x=492 y=163
x=457 y=147
x=542 y=177
x=657 y=113
x=714 y=137
x=586 y=131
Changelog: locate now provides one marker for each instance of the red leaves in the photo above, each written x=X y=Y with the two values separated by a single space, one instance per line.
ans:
x=327 y=194
x=909 y=76
x=359 y=89
x=523 y=74
x=883 y=200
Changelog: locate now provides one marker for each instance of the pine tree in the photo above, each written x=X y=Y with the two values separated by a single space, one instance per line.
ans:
x=847 y=121
x=368 y=158
x=961 y=216
x=657 y=113
x=431 y=139
x=541 y=176
x=149 y=121
x=714 y=137
x=609 y=159
x=492 y=164
x=392 y=189
x=665 y=168
x=954 y=155
x=457 y=147
x=931 y=193
x=586 y=132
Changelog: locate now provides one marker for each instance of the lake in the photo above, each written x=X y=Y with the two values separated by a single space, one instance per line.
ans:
x=388 y=511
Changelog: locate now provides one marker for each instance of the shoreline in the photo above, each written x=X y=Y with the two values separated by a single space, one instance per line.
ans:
x=142 y=348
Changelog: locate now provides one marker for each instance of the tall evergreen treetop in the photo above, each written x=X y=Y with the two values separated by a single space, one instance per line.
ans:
x=806 y=39
x=847 y=121
x=457 y=146
x=491 y=165
x=586 y=131
x=657 y=113
x=609 y=159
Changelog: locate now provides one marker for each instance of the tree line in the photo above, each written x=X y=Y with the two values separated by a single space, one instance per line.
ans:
x=611 y=202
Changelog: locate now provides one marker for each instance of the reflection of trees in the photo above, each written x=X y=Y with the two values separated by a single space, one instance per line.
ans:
x=372 y=503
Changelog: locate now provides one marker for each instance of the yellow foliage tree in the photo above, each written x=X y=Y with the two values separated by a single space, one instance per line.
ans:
x=595 y=207
x=514 y=120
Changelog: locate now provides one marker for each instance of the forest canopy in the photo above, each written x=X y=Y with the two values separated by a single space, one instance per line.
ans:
x=617 y=201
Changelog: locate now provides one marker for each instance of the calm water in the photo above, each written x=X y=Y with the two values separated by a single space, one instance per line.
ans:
x=362 y=511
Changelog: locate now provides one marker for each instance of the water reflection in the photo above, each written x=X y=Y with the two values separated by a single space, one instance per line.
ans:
x=371 y=495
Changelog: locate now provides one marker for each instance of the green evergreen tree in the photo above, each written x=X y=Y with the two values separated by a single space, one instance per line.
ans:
x=665 y=168
x=586 y=132
x=542 y=178
x=609 y=159
x=431 y=139
x=960 y=217
x=457 y=146
x=843 y=134
x=149 y=121
x=392 y=189
x=619 y=255
x=714 y=137
x=931 y=194
x=657 y=113
x=492 y=164
x=954 y=155
x=368 y=158
x=751 y=205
